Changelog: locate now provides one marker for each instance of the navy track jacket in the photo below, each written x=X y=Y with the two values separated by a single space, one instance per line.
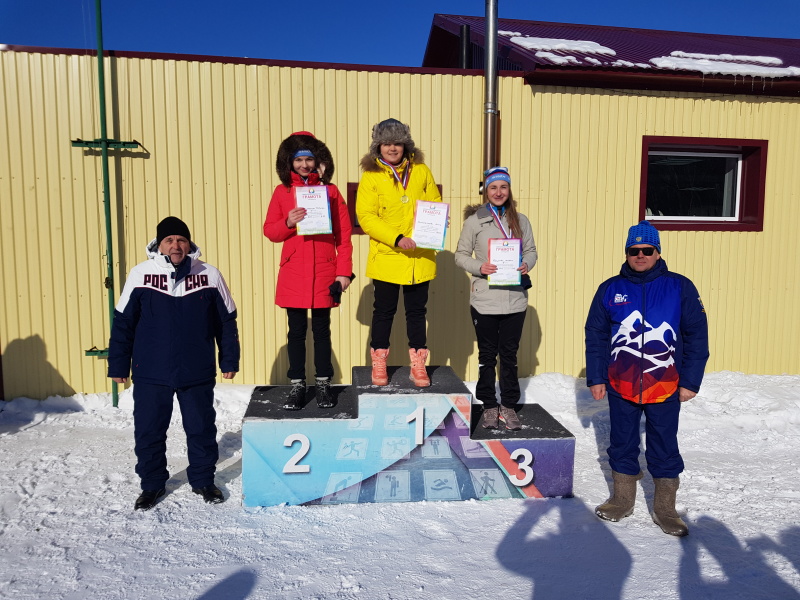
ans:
x=168 y=320
x=647 y=335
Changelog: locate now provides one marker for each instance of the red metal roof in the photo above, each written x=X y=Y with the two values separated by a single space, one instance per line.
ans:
x=564 y=53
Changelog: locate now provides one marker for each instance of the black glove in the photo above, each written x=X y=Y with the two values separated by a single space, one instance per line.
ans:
x=336 y=291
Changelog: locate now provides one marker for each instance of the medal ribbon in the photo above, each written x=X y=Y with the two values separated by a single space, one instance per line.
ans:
x=406 y=174
x=498 y=222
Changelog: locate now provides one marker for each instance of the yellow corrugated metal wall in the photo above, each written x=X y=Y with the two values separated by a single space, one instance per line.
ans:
x=578 y=152
x=209 y=133
x=51 y=220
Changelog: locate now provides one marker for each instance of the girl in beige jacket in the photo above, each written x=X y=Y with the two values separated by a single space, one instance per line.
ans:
x=498 y=312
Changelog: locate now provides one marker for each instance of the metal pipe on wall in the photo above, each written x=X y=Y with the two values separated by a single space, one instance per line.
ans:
x=105 y=144
x=490 y=94
x=101 y=84
x=465 y=56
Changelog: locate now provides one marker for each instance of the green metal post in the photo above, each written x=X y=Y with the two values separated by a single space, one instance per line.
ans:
x=105 y=144
x=101 y=77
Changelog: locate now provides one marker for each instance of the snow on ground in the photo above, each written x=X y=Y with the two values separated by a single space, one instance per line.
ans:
x=68 y=530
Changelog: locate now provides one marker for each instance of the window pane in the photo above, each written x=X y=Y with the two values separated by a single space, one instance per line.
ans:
x=690 y=185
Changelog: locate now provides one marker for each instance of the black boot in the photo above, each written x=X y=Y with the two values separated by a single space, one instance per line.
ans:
x=148 y=499
x=324 y=398
x=211 y=494
x=297 y=395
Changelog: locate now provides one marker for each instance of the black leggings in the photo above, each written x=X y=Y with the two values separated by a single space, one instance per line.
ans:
x=415 y=299
x=321 y=330
x=498 y=335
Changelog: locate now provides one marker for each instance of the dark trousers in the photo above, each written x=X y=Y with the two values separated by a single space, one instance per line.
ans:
x=415 y=299
x=152 y=411
x=661 y=437
x=498 y=335
x=321 y=330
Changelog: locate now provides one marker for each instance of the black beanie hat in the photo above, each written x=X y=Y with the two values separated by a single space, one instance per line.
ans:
x=171 y=226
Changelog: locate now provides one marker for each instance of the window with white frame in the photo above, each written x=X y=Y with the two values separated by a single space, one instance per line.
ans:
x=698 y=183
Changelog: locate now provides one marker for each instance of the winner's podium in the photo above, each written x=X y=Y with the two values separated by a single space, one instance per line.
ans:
x=397 y=443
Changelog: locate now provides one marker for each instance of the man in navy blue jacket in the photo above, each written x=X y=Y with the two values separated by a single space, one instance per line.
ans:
x=646 y=348
x=172 y=314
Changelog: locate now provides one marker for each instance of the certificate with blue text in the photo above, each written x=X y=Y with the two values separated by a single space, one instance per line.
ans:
x=430 y=224
x=318 y=210
x=506 y=255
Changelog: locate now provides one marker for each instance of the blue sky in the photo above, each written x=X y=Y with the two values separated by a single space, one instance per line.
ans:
x=356 y=31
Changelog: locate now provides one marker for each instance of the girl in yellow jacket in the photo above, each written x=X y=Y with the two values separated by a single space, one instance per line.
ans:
x=394 y=178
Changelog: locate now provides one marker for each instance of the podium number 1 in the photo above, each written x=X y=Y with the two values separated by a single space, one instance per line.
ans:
x=305 y=446
x=419 y=416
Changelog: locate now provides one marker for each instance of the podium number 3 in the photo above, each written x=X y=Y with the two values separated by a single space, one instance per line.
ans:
x=524 y=466
x=291 y=466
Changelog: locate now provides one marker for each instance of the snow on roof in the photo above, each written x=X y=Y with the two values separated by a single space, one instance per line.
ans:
x=558 y=60
x=583 y=46
x=767 y=60
x=534 y=44
x=721 y=67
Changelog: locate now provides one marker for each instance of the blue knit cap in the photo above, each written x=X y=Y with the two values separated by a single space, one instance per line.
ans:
x=496 y=174
x=303 y=153
x=643 y=233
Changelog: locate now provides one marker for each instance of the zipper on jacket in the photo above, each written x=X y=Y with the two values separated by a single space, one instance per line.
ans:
x=641 y=347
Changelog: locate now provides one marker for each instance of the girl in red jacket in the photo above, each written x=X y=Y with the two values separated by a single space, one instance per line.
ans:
x=311 y=265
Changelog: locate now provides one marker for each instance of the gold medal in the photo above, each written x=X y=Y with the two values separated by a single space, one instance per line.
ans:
x=404 y=199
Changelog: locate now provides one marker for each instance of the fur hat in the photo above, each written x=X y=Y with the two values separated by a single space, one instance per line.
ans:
x=390 y=131
x=643 y=233
x=171 y=226
x=303 y=140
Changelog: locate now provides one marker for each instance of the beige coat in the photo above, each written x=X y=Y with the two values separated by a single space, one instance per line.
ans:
x=472 y=252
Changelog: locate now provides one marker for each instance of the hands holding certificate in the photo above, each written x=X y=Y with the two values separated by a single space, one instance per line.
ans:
x=504 y=264
x=295 y=216
x=406 y=243
x=488 y=268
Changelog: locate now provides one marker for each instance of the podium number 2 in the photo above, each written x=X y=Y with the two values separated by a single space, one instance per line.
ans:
x=524 y=466
x=305 y=446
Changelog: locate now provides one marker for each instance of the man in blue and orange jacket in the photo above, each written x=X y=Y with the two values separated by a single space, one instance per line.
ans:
x=173 y=312
x=646 y=348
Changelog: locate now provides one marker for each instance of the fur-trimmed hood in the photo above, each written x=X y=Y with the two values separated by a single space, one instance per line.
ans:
x=387 y=132
x=303 y=140
x=473 y=208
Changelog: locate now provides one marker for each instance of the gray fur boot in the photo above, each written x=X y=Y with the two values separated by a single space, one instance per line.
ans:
x=620 y=505
x=664 y=513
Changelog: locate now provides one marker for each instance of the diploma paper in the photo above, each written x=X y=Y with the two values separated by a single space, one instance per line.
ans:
x=318 y=211
x=430 y=224
x=506 y=255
